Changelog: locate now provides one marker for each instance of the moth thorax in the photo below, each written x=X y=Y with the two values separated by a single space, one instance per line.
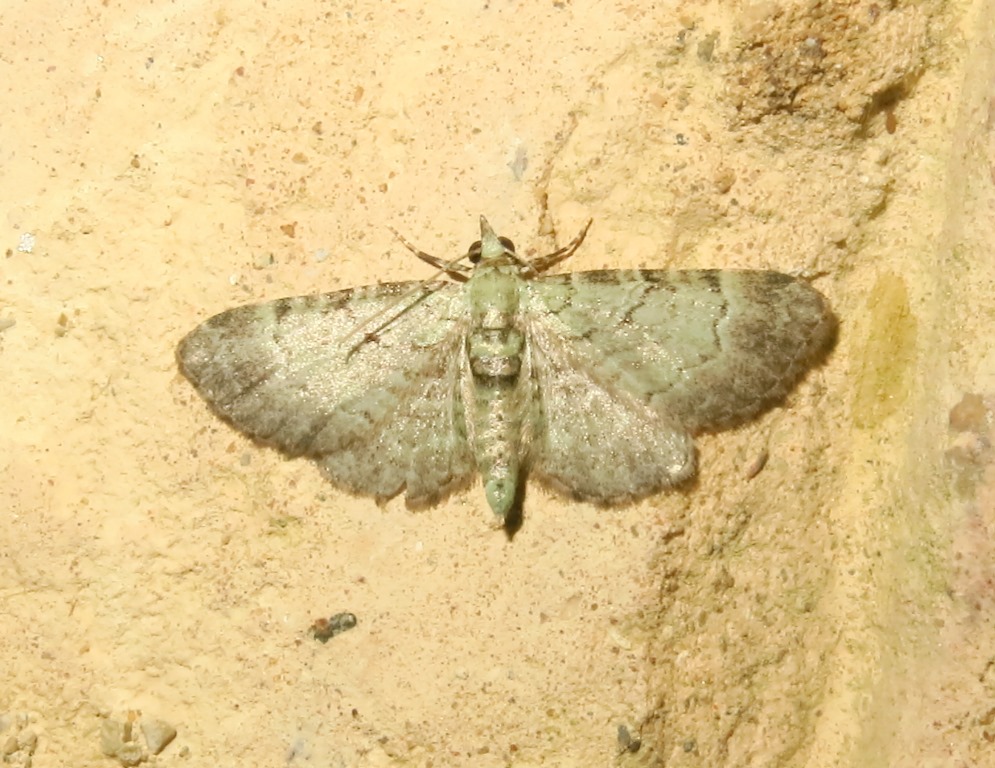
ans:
x=493 y=290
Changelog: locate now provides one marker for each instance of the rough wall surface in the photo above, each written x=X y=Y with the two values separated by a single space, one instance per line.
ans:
x=158 y=571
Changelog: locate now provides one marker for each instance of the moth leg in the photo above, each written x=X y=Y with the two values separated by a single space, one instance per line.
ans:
x=454 y=270
x=542 y=263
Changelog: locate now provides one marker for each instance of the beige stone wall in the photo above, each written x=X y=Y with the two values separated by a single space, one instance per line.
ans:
x=162 y=162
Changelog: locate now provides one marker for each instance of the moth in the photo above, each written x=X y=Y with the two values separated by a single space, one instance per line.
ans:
x=592 y=383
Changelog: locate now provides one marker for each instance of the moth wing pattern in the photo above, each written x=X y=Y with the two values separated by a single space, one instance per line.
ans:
x=629 y=365
x=592 y=440
x=379 y=413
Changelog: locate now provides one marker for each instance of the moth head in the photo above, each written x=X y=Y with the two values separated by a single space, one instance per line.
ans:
x=489 y=246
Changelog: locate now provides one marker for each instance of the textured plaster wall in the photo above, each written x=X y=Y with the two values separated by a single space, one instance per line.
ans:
x=162 y=162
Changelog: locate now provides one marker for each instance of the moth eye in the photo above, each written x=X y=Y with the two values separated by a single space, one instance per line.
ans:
x=508 y=245
x=474 y=253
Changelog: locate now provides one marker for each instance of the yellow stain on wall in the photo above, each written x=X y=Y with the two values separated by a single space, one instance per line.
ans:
x=885 y=360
